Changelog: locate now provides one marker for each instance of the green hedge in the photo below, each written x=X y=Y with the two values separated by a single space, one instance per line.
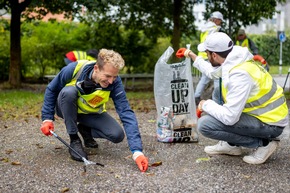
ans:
x=269 y=48
x=45 y=43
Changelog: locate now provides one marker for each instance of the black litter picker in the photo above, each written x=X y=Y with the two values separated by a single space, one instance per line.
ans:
x=86 y=162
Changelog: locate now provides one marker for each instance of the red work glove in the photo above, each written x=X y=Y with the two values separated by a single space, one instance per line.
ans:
x=199 y=108
x=141 y=161
x=198 y=113
x=260 y=59
x=181 y=52
x=46 y=127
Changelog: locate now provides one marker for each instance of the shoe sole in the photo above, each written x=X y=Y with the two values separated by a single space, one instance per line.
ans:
x=76 y=159
x=91 y=146
x=223 y=153
x=264 y=160
x=211 y=152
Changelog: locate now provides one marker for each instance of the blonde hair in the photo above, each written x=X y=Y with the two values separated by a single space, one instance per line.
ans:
x=109 y=56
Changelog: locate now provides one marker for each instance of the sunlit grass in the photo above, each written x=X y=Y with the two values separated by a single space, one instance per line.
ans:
x=16 y=104
x=23 y=104
x=276 y=70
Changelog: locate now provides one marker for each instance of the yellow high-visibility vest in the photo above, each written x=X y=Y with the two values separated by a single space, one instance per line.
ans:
x=80 y=55
x=203 y=36
x=244 y=43
x=269 y=104
x=89 y=103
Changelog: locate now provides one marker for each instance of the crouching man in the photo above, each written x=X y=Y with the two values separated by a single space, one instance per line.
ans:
x=79 y=93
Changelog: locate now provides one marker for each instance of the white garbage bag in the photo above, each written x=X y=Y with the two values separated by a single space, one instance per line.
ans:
x=174 y=98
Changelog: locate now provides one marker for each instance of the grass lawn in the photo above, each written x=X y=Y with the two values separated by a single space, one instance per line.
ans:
x=275 y=69
x=16 y=104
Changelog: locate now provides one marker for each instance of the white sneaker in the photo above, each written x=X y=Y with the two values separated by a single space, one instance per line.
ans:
x=223 y=148
x=261 y=154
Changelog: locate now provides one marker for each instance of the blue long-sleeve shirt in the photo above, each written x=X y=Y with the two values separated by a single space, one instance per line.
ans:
x=117 y=93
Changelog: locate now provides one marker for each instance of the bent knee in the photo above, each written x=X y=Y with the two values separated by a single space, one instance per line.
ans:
x=118 y=137
x=203 y=125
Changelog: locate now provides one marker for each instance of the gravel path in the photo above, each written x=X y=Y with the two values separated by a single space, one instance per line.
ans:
x=31 y=162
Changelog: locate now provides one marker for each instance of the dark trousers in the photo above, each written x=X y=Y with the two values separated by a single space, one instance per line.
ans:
x=103 y=125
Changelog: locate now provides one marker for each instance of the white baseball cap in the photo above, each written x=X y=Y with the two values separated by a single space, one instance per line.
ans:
x=216 y=42
x=217 y=15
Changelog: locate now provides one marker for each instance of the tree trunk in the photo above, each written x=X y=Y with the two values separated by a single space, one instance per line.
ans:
x=176 y=27
x=15 y=48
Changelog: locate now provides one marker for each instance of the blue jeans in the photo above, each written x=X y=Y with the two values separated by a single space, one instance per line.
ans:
x=247 y=132
x=102 y=125
x=203 y=82
x=216 y=95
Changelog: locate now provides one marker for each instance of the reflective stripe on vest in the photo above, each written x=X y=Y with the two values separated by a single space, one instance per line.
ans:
x=269 y=104
x=80 y=55
x=78 y=70
x=90 y=103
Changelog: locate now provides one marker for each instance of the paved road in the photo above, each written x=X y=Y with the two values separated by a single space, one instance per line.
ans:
x=281 y=79
x=31 y=162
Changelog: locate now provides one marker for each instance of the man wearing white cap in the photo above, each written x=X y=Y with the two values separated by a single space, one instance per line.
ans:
x=254 y=113
x=213 y=25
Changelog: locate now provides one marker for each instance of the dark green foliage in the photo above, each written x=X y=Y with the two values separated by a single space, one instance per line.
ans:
x=45 y=43
x=4 y=50
x=269 y=48
x=242 y=12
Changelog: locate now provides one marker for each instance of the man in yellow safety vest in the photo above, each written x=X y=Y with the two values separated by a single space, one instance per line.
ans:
x=79 y=94
x=244 y=41
x=254 y=113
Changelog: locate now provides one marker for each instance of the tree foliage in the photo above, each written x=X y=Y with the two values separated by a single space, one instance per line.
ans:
x=25 y=8
x=242 y=12
x=155 y=18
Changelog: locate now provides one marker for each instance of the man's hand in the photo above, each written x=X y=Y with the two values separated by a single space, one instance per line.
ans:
x=141 y=161
x=198 y=113
x=199 y=108
x=181 y=52
x=46 y=127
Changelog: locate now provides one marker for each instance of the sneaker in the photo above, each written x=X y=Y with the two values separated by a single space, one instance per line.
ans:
x=87 y=136
x=261 y=154
x=223 y=148
x=78 y=147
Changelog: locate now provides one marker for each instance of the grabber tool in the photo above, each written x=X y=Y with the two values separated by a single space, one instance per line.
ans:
x=86 y=162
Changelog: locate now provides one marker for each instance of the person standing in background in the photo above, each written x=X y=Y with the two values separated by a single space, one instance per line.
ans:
x=244 y=41
x=213 y=25
x=73 y=56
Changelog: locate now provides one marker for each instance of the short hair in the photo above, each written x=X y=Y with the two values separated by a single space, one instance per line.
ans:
x=223 y=54
x=109 y=56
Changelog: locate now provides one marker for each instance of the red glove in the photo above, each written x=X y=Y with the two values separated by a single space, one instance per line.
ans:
x=141 y=161
x=260 y=59
x=198 y=113
x=46 y=127
x=181 y=52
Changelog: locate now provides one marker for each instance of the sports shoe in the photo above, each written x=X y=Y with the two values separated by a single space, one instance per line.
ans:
x=261 y=154
x=87 y=136
x=223 y=148
x=78 y=147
